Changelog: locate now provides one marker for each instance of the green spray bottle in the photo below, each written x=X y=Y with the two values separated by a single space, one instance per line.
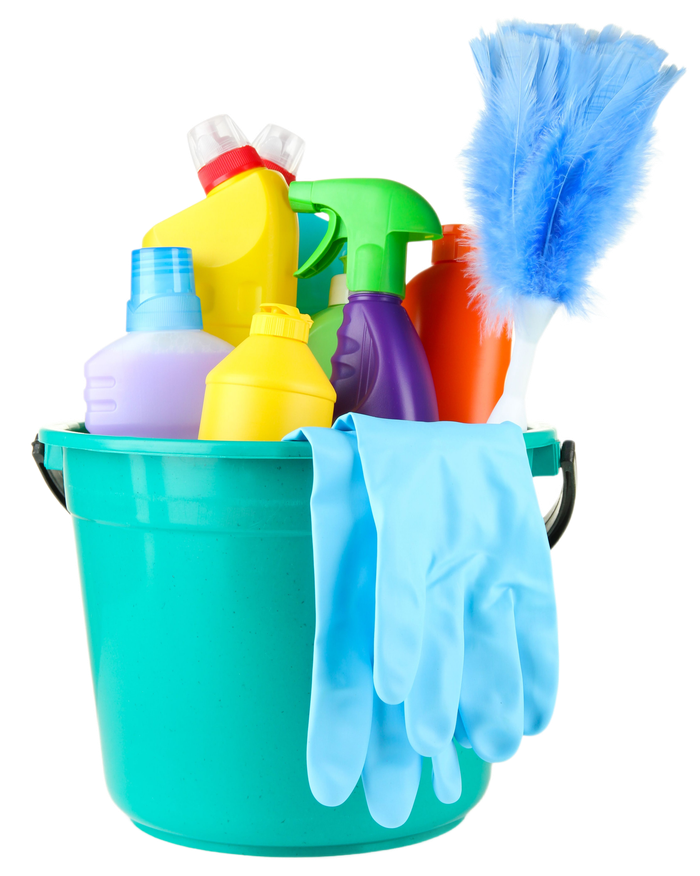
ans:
x=379 y=367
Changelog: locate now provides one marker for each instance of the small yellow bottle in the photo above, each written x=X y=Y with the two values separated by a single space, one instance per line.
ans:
x=244 y=236
x=269 y=385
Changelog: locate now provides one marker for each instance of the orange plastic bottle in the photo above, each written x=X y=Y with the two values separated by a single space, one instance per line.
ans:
x=468 y=364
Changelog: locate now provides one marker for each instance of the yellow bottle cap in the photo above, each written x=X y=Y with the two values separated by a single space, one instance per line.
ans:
x=283 y=321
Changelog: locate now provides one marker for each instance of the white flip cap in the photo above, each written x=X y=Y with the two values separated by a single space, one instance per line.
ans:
x=281 y=147
x=212 y=138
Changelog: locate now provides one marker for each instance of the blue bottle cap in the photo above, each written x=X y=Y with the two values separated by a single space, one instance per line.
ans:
x=162 y=291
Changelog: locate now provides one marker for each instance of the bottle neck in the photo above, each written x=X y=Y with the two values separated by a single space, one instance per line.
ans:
x=375 y=298
x=455 y=245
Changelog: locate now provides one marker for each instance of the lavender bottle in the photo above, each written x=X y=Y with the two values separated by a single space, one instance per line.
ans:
x=150 y=383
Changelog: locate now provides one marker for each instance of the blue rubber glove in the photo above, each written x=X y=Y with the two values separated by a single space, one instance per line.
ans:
x=463 y=602
x=465 y=614
x=352 y=733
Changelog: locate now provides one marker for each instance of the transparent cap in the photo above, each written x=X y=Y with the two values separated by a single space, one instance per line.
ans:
x=212 y=138
x=281 y=147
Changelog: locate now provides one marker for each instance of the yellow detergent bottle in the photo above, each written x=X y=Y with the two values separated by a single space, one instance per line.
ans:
x=270 y=385
x=244 y=235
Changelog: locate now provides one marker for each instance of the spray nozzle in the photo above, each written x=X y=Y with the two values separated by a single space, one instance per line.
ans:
x=377 y=217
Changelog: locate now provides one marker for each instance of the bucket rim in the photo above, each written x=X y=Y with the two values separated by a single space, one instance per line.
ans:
x=75 y=437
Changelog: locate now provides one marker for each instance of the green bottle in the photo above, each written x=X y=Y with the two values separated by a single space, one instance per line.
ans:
x=323 y=337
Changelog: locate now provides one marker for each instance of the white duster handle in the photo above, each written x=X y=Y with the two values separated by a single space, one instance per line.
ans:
x=531 y=319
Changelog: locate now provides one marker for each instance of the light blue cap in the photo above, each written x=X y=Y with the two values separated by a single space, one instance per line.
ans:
x=162 y=291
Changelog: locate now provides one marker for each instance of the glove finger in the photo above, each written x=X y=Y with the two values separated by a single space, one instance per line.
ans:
x=339 y=731
x=536 y=625
x=400 y=604
x=392 y=770
x=447 y=777
x=491 y=702
x=433 y=702
x=527 y=569
x=395 y=492
x=340 y=714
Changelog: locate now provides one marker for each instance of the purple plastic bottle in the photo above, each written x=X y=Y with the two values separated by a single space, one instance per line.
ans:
x=395 y=384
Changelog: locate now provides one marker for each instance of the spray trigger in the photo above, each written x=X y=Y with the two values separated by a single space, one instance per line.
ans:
x=327 y=250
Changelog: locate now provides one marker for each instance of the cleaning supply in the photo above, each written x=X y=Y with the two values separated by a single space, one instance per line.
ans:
x=150 y=383
x=243 y=235
x=323 y=337
x=379 y=367
x=434 y=595
x=553 y=167
x=468 y=359
x=281 y=150
x=270 y=384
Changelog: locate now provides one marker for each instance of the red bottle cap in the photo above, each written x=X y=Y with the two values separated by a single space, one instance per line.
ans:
x=228 y=164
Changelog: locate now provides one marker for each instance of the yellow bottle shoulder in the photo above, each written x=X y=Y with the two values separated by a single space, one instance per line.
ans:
x=230 y=221
x=244 y=238
x=274 y=363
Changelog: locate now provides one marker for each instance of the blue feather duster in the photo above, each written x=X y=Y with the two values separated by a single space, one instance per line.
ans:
x=555 y=163
x=556 y=166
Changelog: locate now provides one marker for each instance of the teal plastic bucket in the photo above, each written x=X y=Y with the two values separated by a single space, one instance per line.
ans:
x=196 y=566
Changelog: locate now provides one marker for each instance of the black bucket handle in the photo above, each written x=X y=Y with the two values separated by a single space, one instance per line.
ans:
x=53 y=479
x=557 y=518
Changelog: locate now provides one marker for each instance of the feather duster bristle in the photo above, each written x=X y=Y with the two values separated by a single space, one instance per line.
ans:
x=558 y=155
